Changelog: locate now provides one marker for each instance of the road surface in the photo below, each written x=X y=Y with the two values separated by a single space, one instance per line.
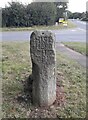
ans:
x=75 y=34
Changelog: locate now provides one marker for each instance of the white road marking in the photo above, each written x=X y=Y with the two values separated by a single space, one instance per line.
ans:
x=82 y=22
x=74 y=30
x=84 y=30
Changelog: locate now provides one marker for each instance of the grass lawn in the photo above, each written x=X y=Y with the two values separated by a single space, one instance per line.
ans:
x=80 y=47
x=16 y=67
x=70 y=25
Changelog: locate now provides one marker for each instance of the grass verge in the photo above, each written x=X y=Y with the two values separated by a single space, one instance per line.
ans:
x=16 y=68
x=60 y=26
x=80 y=47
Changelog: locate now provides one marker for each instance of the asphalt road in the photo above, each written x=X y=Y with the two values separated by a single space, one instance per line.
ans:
x=76 y=34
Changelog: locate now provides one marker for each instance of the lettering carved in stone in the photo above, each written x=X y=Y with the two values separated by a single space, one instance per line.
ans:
x=42 y=50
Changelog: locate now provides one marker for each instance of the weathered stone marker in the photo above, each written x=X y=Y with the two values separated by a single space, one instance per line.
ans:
x=42 y=50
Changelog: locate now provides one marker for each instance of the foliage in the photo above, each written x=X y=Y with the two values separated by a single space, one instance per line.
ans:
x=41 y=13
x=36 y=13
x=13 y=15
x=75 y=15
x=69 y=13
x=40 y=27
x=60 y=10
x=82 y=16
x=85 y=18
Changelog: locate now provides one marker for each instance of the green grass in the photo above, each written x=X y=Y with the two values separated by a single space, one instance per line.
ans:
x=74 y=83
x=70 y=25
x=16 y=67
x=80 y=47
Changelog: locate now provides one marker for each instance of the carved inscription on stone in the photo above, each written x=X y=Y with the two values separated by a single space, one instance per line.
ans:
x=42 y=50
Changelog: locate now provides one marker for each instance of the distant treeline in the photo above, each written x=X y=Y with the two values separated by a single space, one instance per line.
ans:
x=19 y=15
x=77 y=15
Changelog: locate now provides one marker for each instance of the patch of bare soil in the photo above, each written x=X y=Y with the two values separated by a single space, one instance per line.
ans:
x=43 y=112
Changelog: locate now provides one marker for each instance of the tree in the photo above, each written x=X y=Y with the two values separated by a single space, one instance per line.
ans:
x=13 y=15
x=41 y=13
x=69 y=14
x=61 y=9
x=87 y=15
x=76 y=15
x=36 y=13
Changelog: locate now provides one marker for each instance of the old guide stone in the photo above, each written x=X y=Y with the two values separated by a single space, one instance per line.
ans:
x=42 y=50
